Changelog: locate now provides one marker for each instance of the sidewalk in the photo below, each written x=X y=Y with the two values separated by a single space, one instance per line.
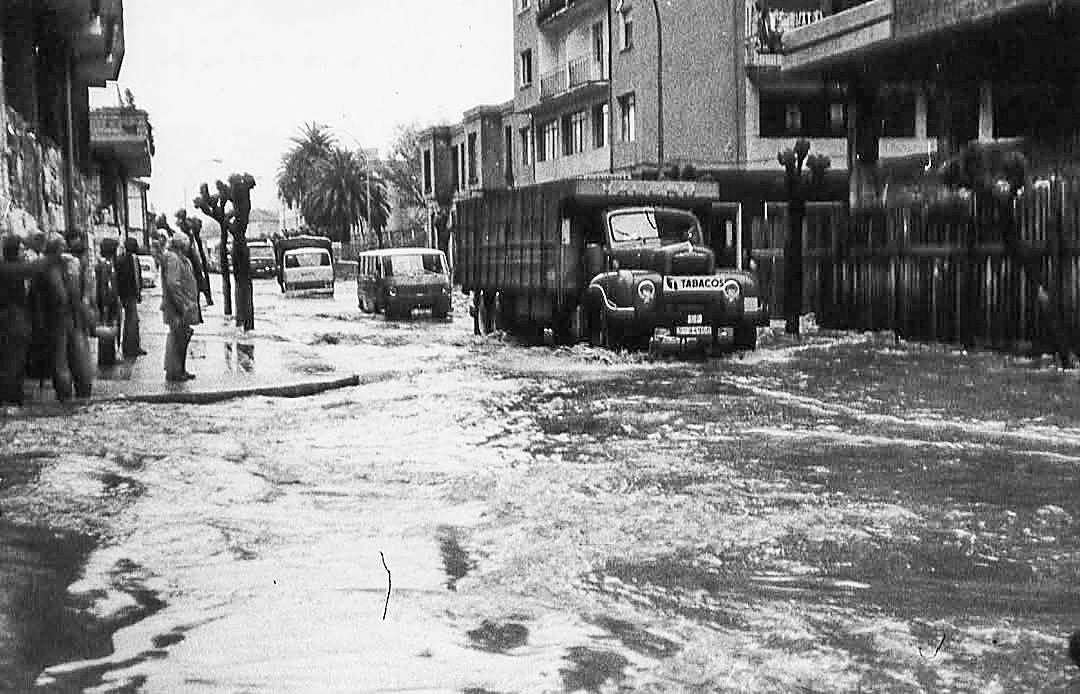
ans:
x=226 y=362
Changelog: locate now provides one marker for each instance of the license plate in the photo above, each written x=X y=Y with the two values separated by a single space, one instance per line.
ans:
x=693 y=319
x=684 y=330
x=750 y=303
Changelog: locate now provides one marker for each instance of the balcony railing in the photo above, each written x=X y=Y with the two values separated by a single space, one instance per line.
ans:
x=124 y=133
x=550 y=8
x=765 y=32
x=575 y=73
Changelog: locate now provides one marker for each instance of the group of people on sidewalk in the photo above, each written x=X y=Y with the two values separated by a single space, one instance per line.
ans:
x=52 y=301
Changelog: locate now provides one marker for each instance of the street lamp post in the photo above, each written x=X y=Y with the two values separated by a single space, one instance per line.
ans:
x=659 y=92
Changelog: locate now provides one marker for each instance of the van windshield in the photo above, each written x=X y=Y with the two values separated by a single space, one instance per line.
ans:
x=419 y=264
x=654 y=227
x=262 y=252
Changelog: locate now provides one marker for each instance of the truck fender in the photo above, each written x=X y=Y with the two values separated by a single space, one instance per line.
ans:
x=599 y=296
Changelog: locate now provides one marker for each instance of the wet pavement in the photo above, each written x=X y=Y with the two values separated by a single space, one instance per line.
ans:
x=844 y=512
x=227 y=363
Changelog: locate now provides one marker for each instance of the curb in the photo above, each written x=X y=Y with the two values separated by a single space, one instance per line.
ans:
x=292 y=390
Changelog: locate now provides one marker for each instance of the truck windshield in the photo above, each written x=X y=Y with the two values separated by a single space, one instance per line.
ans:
x=428 y=263
x=307 y=259
x=653 y=227
x=262 y=252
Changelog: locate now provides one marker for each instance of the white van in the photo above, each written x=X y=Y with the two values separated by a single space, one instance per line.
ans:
x=308 y=270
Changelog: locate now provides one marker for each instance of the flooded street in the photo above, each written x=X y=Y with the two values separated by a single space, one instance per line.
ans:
x=844 y=513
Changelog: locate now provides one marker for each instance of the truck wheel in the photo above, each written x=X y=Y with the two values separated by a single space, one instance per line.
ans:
x=570 y=328
x=597 y=331
x=745 y=337
x=365 y=304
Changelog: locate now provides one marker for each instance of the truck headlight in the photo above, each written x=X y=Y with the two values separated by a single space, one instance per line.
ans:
x=392 y=291
x=647 y=291
x=446 y=290
x=731 y=290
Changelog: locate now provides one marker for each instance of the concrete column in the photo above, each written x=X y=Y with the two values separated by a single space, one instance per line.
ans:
x=863 y=139
x=921 y=109
x=5 y=194
x=986 y=111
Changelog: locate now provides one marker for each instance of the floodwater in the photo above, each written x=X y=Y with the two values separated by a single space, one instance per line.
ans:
x=843 y=513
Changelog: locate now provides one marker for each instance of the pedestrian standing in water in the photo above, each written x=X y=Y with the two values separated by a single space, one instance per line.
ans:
x=179 y=307
x=129 y=287
x=14 y=323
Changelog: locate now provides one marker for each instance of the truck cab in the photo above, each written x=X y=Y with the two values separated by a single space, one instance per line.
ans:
x=651 y=280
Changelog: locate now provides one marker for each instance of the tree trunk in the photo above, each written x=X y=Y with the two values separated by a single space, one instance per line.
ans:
x=204 y=281
x=793 y=256
x=223 y=253
x=245 y=309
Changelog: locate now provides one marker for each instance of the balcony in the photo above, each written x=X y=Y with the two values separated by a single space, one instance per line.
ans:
x=123 y=134
x=553 y=14
x=765 y=32
x=847 y=35
x=577 y=73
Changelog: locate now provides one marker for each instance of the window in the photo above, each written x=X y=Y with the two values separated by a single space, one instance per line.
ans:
x=526 y=150
x=626 y=118
x=461 y=160
x=600 y=125
x=523 y=5
x=548 y=145
x=472 y=158
x=508 y=154
x=526 y=68
x=790 y=115
x=574 y=133
x=598 y=42
x=627 y=33
x=427 y=170
x=455 y=182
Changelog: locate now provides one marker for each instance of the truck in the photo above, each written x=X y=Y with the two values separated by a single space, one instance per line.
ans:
x=305 y=264
x=620 y=263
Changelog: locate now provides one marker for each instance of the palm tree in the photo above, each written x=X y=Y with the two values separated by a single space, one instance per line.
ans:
x=337 y=200
x=296 y=175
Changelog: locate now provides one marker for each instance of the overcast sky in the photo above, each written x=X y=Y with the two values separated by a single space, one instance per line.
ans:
x=235 y=79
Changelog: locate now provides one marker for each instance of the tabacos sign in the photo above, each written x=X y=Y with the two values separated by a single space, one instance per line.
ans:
x=694 y=283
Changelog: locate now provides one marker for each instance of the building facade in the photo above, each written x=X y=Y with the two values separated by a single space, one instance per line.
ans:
x=51 y=52
x=997 y=73
x=122 y=147
x=587 y=75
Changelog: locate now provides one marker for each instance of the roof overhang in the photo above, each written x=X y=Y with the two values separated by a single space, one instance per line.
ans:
x=839 y=38
x=97 y=27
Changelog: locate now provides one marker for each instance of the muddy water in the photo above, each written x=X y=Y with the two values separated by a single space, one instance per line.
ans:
x=845 y=514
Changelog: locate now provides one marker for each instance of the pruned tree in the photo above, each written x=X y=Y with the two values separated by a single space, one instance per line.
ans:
x=239 y=193
x=214 y=207
x=792 y=159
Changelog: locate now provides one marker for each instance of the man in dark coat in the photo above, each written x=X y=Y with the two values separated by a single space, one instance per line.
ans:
x=14 y=322
x=108 y=303
x=129 y=287
x=60 y=293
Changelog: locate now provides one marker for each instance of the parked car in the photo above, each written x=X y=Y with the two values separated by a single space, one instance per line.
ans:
x=398 y=280
x=261 y=259
x=149 y=271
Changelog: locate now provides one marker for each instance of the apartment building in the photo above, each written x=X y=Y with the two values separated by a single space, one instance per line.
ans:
x=589 y=76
